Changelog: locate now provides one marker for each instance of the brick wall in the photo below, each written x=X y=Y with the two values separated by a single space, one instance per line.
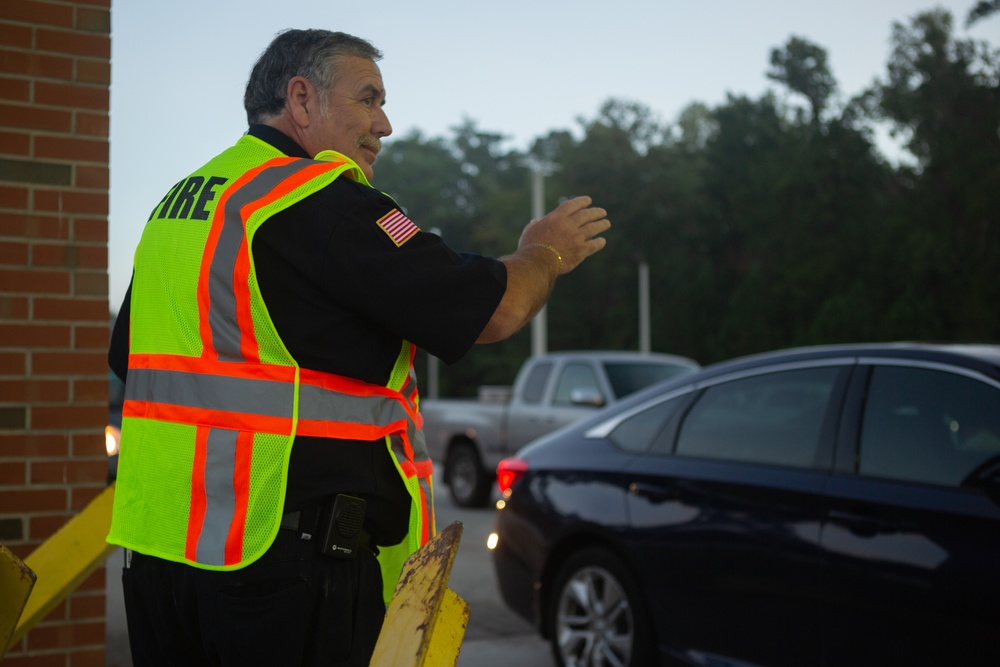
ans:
x=55 y=73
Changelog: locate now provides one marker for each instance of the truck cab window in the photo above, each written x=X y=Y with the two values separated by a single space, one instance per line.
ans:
x=534 y=384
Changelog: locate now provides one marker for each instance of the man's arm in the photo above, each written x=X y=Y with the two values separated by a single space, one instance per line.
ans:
x=549 y=247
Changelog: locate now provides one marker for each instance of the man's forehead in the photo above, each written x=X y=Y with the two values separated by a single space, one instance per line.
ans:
x=361 y=75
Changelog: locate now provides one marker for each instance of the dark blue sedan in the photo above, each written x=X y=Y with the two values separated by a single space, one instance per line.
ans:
x=820 y=506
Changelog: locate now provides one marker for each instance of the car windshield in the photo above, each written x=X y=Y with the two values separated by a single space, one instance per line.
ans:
x=627 y=377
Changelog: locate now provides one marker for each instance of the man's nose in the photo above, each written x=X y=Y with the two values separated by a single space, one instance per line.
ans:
x=381 y=127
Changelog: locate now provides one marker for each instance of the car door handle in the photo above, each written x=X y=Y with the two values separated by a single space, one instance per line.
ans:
x=863 y=524
x=655 y=492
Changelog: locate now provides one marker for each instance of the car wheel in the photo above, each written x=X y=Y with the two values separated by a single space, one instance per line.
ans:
x=596 y=615
x=467 y=482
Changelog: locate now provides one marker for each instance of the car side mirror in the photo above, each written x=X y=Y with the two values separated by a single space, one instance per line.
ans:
x=589 y=397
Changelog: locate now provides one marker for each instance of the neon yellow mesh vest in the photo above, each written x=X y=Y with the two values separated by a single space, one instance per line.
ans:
x=213 y=399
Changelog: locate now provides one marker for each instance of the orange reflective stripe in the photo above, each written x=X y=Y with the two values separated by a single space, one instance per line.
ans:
x=175 y=362
x=182 y=414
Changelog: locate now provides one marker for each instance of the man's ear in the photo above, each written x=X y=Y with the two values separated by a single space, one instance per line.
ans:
x=299 y=96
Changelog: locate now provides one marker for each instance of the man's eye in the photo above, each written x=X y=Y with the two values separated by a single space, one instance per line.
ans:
x=368 y=101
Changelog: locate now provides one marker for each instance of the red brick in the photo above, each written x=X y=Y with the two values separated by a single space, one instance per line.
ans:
x=69 y=363
x=13 y=473
x=13 y=363
x=34 y=445
x=75 y=43
x=84 y=495
x=22 y=501
x=17 y=90
x=46 y=418
x=87 y=605
x=92 y=124
x=67 y=148
x=70 y=202
x=15 y=143
x=90 y=283
x=69 y=472
x=91 y=390
x=62 y=309
x=33 y=118
x=34 y=391
x=13 y=308
x=35 y=658
x=91 y=230
x=70 y=256
x=25 y=281
x=92 y=338
x=13 y=197
x=36 y=64
x=35 y=335
x=93 y=71
x=66 y=635
x=12 y=252
x=92 y=177
x=43 y=526
x=71 y=95
x=88 y=657
x=30 y=225
x=15 y=36
x=36 y=11
x=93 y=20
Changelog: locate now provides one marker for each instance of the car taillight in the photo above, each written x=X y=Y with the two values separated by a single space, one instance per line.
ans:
x=508 y=472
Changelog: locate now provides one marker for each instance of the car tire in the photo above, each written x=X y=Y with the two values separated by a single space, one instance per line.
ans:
x=468 y=483
x=596 y=615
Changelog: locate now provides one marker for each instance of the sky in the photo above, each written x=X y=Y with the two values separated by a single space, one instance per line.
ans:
x=520 y=68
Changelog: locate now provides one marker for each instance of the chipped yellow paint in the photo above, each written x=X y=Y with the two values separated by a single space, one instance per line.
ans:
x=68 y=557
x=425 y=622
x=16 y=582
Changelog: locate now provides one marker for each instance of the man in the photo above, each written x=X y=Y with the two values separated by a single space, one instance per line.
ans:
x=271 y=436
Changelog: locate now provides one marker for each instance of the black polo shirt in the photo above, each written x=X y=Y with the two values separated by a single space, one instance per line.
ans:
x=343 y=292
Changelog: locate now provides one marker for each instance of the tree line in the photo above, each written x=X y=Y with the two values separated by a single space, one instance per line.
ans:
x=766 y=223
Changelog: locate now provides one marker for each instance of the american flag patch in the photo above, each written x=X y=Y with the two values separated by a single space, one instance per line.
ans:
x=399 y=228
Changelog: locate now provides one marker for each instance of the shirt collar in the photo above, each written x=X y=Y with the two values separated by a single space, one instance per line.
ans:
x=278 y=139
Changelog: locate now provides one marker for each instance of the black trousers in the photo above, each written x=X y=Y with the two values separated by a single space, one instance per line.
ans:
x=291 y=607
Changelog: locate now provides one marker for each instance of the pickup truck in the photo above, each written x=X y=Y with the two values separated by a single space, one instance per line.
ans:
x=469 y=437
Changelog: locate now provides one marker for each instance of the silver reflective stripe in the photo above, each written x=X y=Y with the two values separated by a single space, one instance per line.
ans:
x=221 y=290
x=316 y=403
x=270 y=398
x=221 y=501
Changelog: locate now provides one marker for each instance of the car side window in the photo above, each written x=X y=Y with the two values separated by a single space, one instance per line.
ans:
x=637 y=432
x=534 y=385
x=775 y=418
x=926 y=425
x=575 y=377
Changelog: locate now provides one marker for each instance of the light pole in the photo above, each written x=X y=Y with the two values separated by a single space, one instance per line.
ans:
x=539 y=324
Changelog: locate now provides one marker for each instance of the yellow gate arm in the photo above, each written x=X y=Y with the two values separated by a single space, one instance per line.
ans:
x=425 y=622
x=16 y=582
x=63 y=561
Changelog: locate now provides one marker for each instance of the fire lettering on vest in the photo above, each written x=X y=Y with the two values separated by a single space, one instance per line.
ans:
x=188 y=199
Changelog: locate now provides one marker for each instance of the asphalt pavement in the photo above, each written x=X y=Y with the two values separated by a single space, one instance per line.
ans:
x=495 y=636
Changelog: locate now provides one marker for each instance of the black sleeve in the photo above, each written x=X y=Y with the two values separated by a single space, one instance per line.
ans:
x=421 y=289
x=118 y=349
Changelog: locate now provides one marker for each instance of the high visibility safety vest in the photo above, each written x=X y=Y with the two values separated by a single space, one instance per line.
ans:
x=213 y=399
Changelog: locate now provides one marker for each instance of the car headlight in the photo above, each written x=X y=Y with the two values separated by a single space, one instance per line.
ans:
x=112 y=439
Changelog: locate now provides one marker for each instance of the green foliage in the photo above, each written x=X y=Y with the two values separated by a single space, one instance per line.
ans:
x=763 y=226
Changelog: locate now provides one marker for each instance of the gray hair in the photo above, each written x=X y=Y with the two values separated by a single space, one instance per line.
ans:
x=313 y=54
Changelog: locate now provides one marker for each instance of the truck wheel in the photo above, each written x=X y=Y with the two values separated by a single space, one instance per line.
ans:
x=467 y=481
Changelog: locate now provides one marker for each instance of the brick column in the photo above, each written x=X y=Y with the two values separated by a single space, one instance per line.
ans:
x=55 y=74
